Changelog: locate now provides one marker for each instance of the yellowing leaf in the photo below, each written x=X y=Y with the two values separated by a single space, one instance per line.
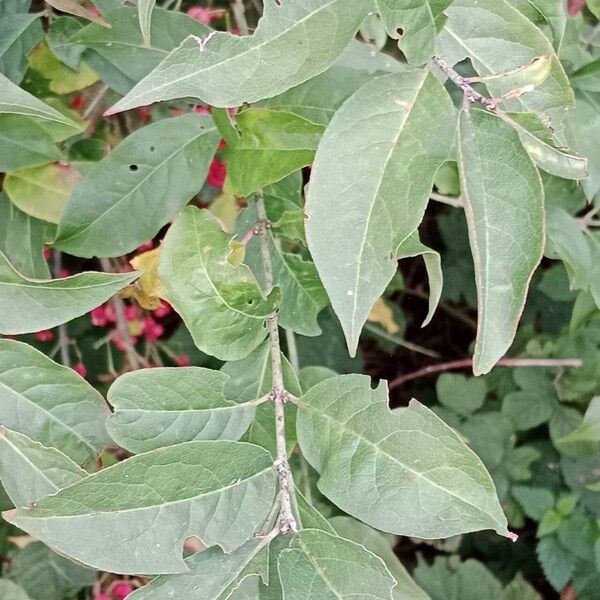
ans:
x=148 y=290
x=225 y=208
x=534 y=73
x=63 y=80
x=382 y=313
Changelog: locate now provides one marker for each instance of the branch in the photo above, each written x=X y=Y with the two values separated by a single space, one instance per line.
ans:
x=287 y=521
x=465 y=363
x=449 y=200
x=63 y=337
x=133 y=358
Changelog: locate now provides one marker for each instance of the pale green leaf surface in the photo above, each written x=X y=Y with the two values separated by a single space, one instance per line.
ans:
x=405 y=472
x=322 y=566
x=367 y=59
x=552 y=13
x=504 y=205
x=11 y=591
x=375 y=542
x=165 y=406
x=58 y=39
x=22 y=240
x=19 y=33
x=498 y=38
x=370 y=184
x=221 y=304
x=16 y=101
x=587 y=77
x=50 y=403
x=145 y=8
x=460 y=394
x=296 y=39
x=526 y=410
x=544 y=150
x=134 y=518
x=30 y=305
x=31 y=471
x=45 y=575
x=212 y=573
x=269 y=145
x=535 y=501
x=138 y=187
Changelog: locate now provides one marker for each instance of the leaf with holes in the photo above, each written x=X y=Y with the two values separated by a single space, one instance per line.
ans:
x=223 y=494
x=134 y=187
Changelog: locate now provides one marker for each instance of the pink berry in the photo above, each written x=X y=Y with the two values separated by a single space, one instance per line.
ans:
x=118 y=342
x=131 y=312
x=109 y=311
x=152 y=330
x=202 y=110
x=80 y=369
x=200 y=14
x=45 y=335
x=98 y=316
x=183 y=360
x=162 y=311
x=64 y=272
x=122 y=590
x=216 y=173
x=47 y=253
x=145 y=247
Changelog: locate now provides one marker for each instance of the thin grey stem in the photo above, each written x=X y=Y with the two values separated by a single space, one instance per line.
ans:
x=63 y=336
x=471 y=94
x=95 y=101
x=292 y=349
x=287 y=521
x=239 y=11
x=449 y=200
x=133 y=358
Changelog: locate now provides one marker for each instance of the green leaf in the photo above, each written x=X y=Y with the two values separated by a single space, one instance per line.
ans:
x=145 y=8
x=131 y=518
x=504 y=205
x=251 y=378
x=10 y=7
x=413 y=24
x=550 y=522
x=24 y=143
x=347 y=433
x=19 y=33
x=587 y=77
x=15 y=101
x=535 y=501
x=285 y=39
x=375 y=542
x=42 y=192
x=321 y=565
x=583 y=133
x=557 y=562
x=22 y=240
x=460 y=394
x=162 y=407
x=588 y=433
x=11 y=591
x=217 y=574
x=498 y=39
x=31 y=471
x=50 y=404
x=121 y=48
x=394 y=130
x=555 y=15
x=310 y=376
x=133 y=189
x=519 y=589
x=34 y=304
x=60 y=31
x=221 y=304
x=526 y=410
x=543 y=149
x=268 y=146
x=490 y=436
x=45 y=575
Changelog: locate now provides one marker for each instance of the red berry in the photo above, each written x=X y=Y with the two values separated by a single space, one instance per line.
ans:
x=47 y=253
x=145 y=247
x=80 y=369
x=131 y=312
x=64 y=272
x=109 y=311
x=98 y=316
x=143 y=113
x=202 y=110
x=216 y=173
x=152 y=330
x=118 y=342
x=77 y=102
x=45 y=335
x=122 y=590
x=183 y=360
x=162 y=311
x=200 y=14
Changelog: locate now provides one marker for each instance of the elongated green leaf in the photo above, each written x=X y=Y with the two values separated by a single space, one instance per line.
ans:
x=321 y=565
x=217 y=574
x=22 y=240
x=544 y=150
x=45 y=575
x=221 y=304
x=269 y=145
x=30 y=305
x=404 y=471
x=122 y=50
x=50 y=404
x=555 y=14
x=375 y=542
x=498 y=38
x=42 y=192
x=133 y=189
x=31 y=471
x=285 y=39
x=161 y=407
x=11 y=591
x=504 y=204
x=371 y=180
x=145 y=8
x=15 y=101
x=24 y=143
x=19 y=33
x=58 y=39
x=588 y=77
x=133 y=518
x=413 y=23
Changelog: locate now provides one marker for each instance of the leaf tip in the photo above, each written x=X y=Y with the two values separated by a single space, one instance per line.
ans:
x=512 y=536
